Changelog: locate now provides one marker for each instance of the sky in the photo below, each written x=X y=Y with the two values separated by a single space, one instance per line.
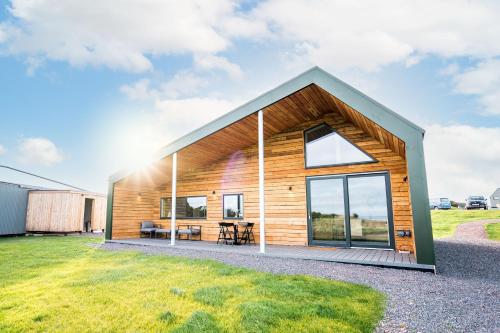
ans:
x=86 y=91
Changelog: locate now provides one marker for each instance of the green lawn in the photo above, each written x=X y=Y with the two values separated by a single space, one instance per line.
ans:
x=61 y=284
x=444 y=222
x=493 y=231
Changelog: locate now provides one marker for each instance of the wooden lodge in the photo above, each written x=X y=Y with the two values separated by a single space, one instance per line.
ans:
x=313 y=162
x=65 y=211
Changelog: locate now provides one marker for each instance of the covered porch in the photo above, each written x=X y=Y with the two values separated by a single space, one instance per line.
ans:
x=257 y=164
x=372 y=257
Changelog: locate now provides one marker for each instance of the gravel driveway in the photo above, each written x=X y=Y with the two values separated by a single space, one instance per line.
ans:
x=473 y=231
x=463 y=297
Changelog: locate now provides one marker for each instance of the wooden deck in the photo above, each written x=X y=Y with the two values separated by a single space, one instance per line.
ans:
x=374 y=257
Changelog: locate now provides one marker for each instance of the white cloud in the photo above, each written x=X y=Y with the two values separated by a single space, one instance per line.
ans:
x=482 y=80
x=39 y=151
x=209 y=61
x=3 y=33
x=32 y=64
x=139 y=90
x=3 y=150
x=347 y=34
x=462 y=160
x=121 y=34
x=337 y=34
x=182 y=84
x=451 y=69
x=180 y=116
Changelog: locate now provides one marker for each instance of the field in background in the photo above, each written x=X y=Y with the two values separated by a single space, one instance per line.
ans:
x=444 y=222
x=64 y=284
x=493 y=231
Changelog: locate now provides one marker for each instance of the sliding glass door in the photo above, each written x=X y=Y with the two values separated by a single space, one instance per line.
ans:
x=350 y=210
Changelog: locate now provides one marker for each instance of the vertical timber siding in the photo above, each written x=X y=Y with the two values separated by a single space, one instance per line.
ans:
x=286 y=212
x=62 y=211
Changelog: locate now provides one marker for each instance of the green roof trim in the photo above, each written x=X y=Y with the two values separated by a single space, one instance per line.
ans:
x=407 y=131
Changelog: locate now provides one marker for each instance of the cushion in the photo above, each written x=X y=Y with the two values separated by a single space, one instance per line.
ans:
x=147 y=224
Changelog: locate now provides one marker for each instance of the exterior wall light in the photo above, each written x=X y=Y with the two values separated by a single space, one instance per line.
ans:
x=404 y=233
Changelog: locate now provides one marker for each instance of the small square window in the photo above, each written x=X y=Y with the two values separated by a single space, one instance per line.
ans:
x=233 y=206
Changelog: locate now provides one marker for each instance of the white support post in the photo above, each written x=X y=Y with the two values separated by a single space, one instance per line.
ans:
x=262 y=218
x=174 y=199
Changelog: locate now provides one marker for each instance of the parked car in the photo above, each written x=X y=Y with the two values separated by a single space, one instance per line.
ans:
x=441 y=203
x=476 y=202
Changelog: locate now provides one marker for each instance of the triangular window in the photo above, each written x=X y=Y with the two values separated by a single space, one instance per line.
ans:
x=325 y=147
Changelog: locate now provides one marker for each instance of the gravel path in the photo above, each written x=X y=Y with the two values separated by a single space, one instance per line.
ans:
x=473 y=231
x=463 y=297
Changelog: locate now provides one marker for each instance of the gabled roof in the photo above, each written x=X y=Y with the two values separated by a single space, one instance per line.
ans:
x=368 y=107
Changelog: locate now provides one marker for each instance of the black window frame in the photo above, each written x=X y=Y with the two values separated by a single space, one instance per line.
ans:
x=349 y=243
x=304 y=133
x=184 y=218
x=242 y=206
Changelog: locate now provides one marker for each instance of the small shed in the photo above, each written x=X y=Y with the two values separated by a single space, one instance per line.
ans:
x=13 y=206
x=495 y=199
x=63 y=211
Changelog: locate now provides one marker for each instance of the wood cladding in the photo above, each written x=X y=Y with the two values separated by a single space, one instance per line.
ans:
x=227 y=162
x=309 y=104
x=63 y=211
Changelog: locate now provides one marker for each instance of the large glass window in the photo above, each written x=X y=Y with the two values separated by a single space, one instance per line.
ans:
x=233 y=206
x=327 y=209
x=186 y=208
x=369 y=215
x=326 y=147
x=350 y=210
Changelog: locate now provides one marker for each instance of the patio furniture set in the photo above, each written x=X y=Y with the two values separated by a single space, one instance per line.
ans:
x=229 y=233
x=236 y=233
x=191 y=232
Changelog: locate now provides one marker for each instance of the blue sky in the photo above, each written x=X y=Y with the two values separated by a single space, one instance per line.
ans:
x=86 y=91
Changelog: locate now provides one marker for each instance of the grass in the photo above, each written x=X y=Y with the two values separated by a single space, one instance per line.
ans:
x=61 y=284
x=444 y=222
x=493 y=231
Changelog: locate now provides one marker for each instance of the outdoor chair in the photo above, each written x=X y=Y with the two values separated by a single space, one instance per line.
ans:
x=226 y=233
x=247 y=234
x=148 y=228
x=190 y=231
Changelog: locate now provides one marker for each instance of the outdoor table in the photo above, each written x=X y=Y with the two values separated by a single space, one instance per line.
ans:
x=235 y=234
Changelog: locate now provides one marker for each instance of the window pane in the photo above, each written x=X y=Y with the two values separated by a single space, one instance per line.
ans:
x=186 y=207
x=233 y=206
x=327 y=209
x=368 y=209
x=325 y=147
x=165 y=208
x=196 y=207
x=181 y=208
